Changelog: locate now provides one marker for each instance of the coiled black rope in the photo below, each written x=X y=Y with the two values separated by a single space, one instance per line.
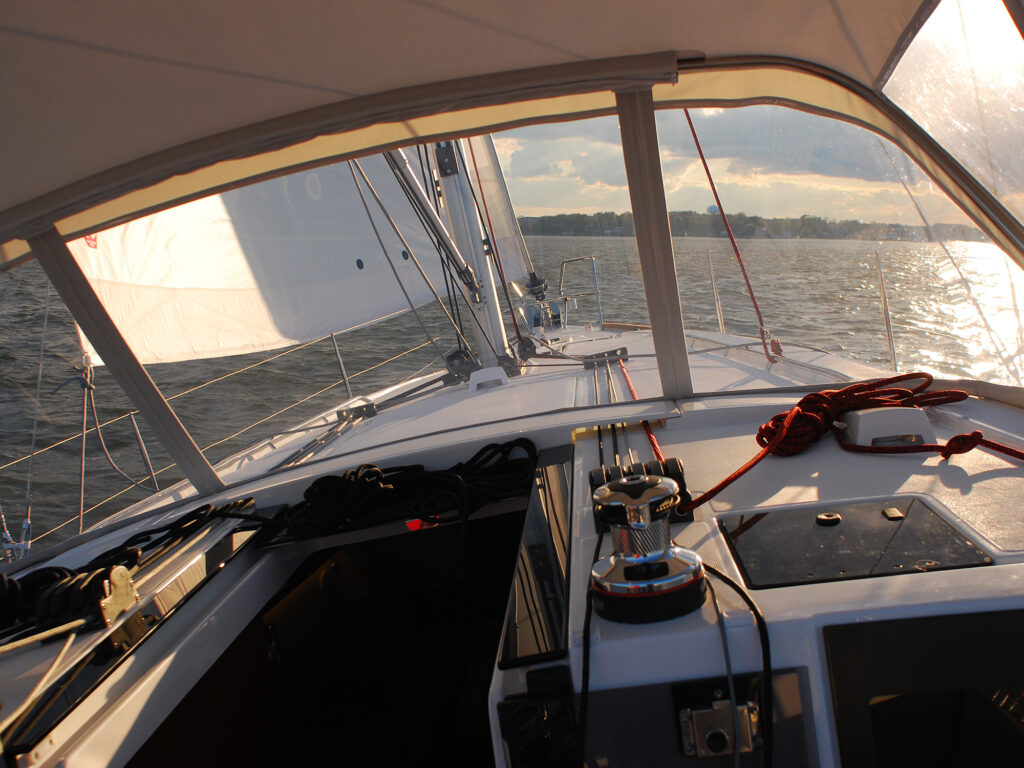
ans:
x=368 y=495
x=51 y=595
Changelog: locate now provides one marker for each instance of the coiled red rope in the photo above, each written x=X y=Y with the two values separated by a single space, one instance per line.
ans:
x=792 y=432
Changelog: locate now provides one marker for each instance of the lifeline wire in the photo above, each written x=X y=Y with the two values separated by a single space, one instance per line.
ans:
x=188 y=391
x=167 y=468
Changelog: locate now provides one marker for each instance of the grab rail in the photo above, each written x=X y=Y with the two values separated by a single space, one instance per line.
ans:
x=597 y=288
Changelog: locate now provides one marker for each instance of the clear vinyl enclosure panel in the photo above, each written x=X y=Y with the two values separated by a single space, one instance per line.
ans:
x=962 y=80
x=822 y=210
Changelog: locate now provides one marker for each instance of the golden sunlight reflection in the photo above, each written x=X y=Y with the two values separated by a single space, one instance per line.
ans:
x=956 y=310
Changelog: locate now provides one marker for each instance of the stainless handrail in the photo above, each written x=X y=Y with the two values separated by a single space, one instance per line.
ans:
x=597 y=288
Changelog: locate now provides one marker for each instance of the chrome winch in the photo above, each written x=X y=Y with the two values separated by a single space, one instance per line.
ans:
x=647 y=578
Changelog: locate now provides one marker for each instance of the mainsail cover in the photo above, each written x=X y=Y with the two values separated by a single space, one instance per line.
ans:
x=278 y=263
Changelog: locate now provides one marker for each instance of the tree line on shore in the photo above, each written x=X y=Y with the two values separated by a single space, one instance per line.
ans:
x=694 y=224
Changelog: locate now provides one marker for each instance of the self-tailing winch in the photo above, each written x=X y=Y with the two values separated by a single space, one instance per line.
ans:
x=647 y=578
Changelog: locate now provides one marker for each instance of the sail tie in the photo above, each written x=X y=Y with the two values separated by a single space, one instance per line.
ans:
x=796 y=430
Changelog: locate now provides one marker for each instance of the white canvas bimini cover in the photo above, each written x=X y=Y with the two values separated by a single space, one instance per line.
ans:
x=105 y=99
x=278 y=263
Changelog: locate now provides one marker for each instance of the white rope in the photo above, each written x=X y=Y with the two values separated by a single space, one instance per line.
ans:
x=39 y=687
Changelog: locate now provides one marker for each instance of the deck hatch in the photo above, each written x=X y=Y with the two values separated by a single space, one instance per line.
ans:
x=815 y=544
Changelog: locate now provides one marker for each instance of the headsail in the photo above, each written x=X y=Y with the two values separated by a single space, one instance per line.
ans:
x=277 y=263
x=499 y=217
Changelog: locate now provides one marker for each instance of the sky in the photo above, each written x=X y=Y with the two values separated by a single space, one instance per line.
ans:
x=777 y=162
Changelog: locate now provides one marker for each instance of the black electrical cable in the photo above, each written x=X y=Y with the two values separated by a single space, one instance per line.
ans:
x=767 y=694
x=581 y=734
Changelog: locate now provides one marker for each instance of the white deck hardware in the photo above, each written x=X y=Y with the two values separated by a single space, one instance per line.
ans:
x=487 y=378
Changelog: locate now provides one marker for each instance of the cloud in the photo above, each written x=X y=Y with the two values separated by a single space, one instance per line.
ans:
x=777 y=139
x=560 y=168
x=766 y=161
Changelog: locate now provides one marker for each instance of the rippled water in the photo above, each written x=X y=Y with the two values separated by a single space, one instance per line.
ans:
x=824 y=293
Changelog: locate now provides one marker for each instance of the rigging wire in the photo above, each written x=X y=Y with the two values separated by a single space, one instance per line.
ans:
x=473 y=315
x=977 y=100
x=86 y=379
x=90 y=389
x=1016 y=308
x=408 y=249
x=766 y=336
x=86 y=384
x=993 y=336
x=169 y=467
x=449 y=271
x=5 y=533
x=188 y=391
x=352 y=165
x=424 y=167
x=26 y=529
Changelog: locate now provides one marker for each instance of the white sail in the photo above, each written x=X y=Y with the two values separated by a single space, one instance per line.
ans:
x=277 y=263
x=499 y=217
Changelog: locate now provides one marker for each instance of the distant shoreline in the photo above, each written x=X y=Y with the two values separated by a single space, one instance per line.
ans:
x=693 y=224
